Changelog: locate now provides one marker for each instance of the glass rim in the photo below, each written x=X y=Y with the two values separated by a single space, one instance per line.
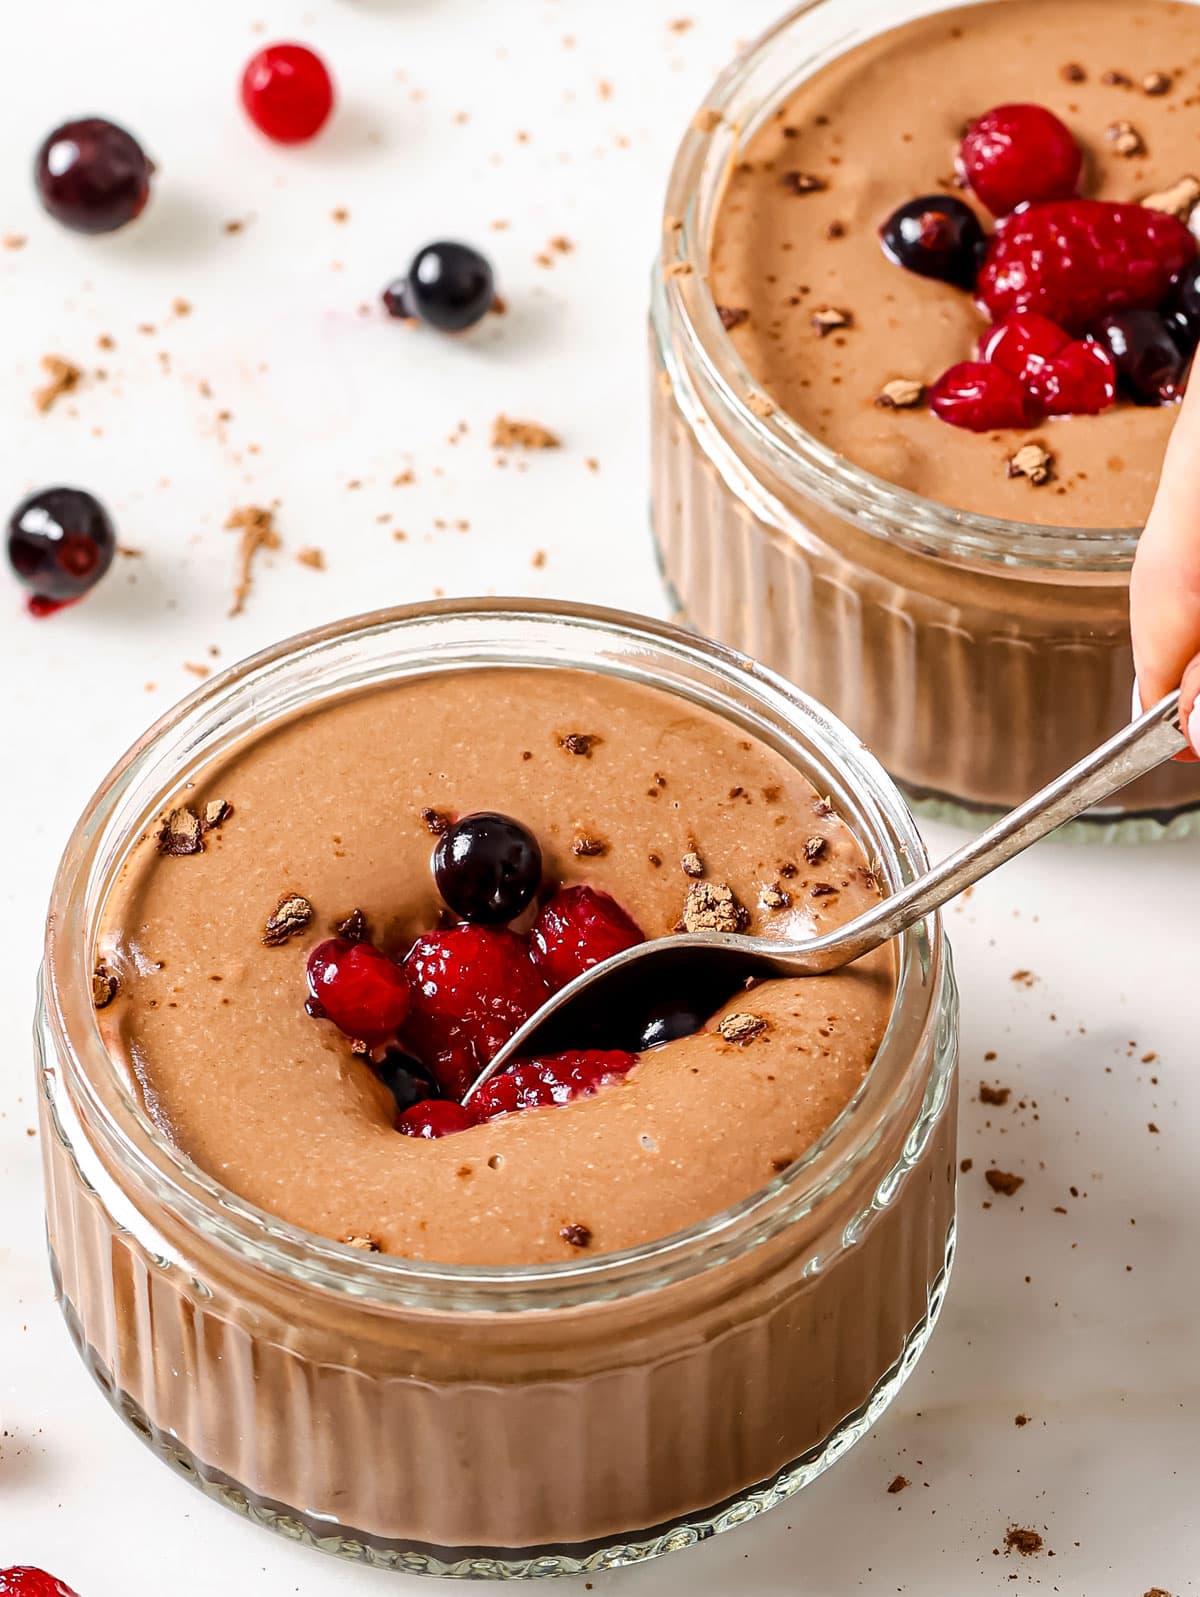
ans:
x=683 y=305
x=111 y=1120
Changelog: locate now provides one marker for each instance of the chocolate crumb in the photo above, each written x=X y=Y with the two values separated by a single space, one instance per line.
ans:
x=994 y=1095
x=713 y=907
x=1020 y=1420
x=1072 y=72
x=1019 y=1540
x=365 y=1244
x=216 y=813
x=692 y=865
x=732 y=316
x=291 y=915
x=827 y=319
x=1125 y=139
x=898 y=1483
x=1116 y=80
x=1178 y=200
x=741 y=1028
x=105 y=986
x=1155 y=83
x=967 y=1166
x=787 y=870
x=62 y=376
x=1032 y=461
x=588 y=847
x=581 y=743
x=835 y=229
x=353 y=927
x=510 y=434
x=803 y=182
x=181 y=833
x=437 y=821
x=579 y=1236
x=313 y=558
x=655 y=860
x=1003 y=1181
x=902 y=393
x=815 y=849
x=1152 y=1128
x=257 y=527
x=774 y=897
x=821 y=890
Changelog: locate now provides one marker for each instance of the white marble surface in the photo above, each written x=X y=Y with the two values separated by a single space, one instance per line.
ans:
x=1084 y=1321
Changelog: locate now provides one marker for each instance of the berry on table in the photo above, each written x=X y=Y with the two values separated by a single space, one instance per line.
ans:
x=449 y=286
x=436 y=1117
x=981 y=397
x=24 y=1581
x=1075 y=260
x=578 y=928
x=360 y=989
x=287 y=92
x=60 y=544
x=938 y=236
x=1016 y=154
x=487 y=867
x=92 y=176
x=552 y=1079
x=1149 y=364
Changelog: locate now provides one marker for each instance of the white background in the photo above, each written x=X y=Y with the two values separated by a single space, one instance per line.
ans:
x=1086 y=1322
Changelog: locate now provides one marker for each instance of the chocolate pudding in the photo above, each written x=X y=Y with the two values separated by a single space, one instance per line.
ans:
x=283 y=1113
x=959 y=600
x=510 y=1349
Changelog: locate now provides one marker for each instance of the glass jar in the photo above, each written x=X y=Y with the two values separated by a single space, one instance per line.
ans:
x=977 y=657
x=510 y=1421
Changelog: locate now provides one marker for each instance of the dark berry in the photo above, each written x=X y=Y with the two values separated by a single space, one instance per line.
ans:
x=92 y=176
x=287 y=92
x=1076 y=260
x=936 y=236
x=1148 y=361
x=1181 y=309
x=25 y=1582
x=487 y=867
x=672 y=1018
x=1063 y=376
x=981 y=397
x=473 y=987
x=554 y=1079
x=1019 y=153
x=60 y=543
x=577 y=929
x=361 y=990
x=448 y=285
x=436 y=1117
x=406 y=1079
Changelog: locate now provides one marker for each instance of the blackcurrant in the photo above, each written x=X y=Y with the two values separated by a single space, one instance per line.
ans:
x=487 y=867
x=60 y=543
x=92 y=175
x=448 y=285
x=936 y=236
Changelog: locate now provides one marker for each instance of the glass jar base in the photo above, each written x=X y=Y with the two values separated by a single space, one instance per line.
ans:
x=517 y=1563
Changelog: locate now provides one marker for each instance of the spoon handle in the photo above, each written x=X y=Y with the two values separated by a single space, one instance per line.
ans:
x=1146 y=743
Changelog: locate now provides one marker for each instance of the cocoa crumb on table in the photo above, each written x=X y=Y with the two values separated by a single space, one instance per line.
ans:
x=1019 y=1540
x=508 y=433
x=1003 y=1181
x=62 y=377
x=898 y=1483
x=313 y=558
x=256 y=525
x=994 y=1095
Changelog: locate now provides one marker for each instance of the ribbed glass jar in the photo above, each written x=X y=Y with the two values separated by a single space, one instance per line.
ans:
x=510 y=1421
x=977 y=657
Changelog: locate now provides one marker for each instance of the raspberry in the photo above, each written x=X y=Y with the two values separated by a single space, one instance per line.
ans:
x=473 y=986
x=1074 y=260
x=577 y=929
x=553 y=1079
x=981 y=397
x=25 y=1582
x=1063 y=376
x=362 y=991
x=1016 y=154
x=436 y=1117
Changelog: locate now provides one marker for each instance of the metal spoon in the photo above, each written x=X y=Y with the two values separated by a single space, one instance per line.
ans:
x=713 y=965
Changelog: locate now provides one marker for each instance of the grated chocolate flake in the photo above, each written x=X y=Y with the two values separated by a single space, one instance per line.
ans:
x=365 y=1243
x=815 y=849
x=1125 y=139
x=1178 y=200
x=774 y=897
x=713 y=907
x=581 y=743
x=1032 y=461
x=994 y=1095
x=803 y=183
x=290 y=916
x=216 y=813
x=827 y=319
x=437 y=821
x=898 y=1483
x=1072 y=72
x=741 y=1028
x=585 y=847
x=105 y=986
x=353 y=927
x=732 y=316
x=692 y=865
x=1003 y=1181
x=182 y=833
x=902 y=393
x=577 y=1236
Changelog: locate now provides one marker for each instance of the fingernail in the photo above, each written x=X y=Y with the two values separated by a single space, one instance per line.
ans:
x=1137 y=701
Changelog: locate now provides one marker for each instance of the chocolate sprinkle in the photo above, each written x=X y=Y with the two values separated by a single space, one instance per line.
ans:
x=291 y=915
x=579 y=1236
x=181 y=833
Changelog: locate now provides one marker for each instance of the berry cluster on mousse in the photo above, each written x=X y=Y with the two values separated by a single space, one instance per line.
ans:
x=428 y=1023
x=1087 y=298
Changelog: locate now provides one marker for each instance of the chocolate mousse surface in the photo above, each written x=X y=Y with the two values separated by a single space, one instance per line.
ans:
x=335 y=807
x=797 y=238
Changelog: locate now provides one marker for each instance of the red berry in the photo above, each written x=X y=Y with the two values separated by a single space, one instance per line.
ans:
x=981 y=397
x=1063 y=376
x=578 y=928
x=436 y=1117
x=362 y=991
x=1074 y=260
x=287 y=92
x=22 y=1581
x=473 y=987
x=1016 y=154
x=554 y=1079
